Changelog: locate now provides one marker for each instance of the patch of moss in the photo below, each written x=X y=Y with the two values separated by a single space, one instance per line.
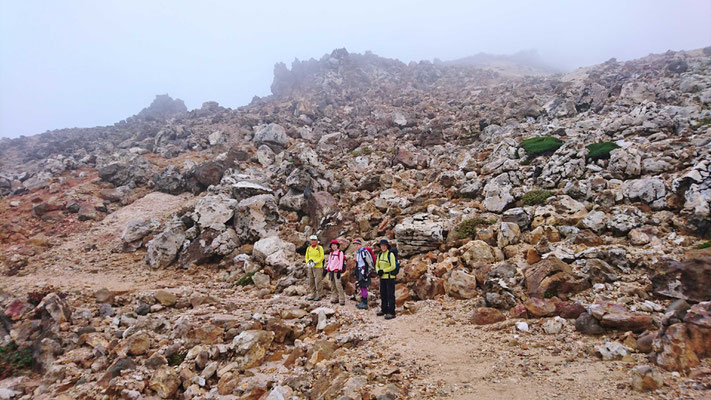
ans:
x=539 y=146
x=534 y=197
x=176 y=358
x=246 y=280
x=705 y=245
x=600 y=151
x=467 y=228
x=362 y=151
x=14 y=361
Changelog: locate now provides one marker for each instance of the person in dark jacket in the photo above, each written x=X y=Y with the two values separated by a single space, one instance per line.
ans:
x=384 y=266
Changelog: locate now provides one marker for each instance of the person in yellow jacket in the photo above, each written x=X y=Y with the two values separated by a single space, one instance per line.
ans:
x=383 y=267
x=314 y=268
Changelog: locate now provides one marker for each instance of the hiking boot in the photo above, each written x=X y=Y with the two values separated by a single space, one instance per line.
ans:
x=316 y=299
x=334 y=301
x=311 y=298
x=389 y=316
x=379 y=313
x=363 y=305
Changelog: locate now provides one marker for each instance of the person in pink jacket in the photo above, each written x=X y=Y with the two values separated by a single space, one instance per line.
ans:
x=336 y=265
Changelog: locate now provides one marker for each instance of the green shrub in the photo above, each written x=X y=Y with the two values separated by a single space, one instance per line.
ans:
x=467 y=229
x=176 y=358
x=540 y=145
x=704 y=245
x=362 y=151
x=14 y=361
x=246 y=280
x=600 y=151
x=534 y=197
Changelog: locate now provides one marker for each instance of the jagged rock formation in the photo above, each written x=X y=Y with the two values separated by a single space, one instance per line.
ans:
x=429 y=155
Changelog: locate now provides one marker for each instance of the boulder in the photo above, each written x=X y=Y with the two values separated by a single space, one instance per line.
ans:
x=477 y=251
x=428 y=286
x=609 y=351
x=684 y=280
x=251 y=347
x=170 y=180
x=165 y=382
x=130 y=174
x=646 y=379
x=224 y=243
x=299 y=179
x=698 y=323
x=538 y=307
x=213 y=211
x=615 y=316
x=55 y=307
x=319 y=205
x=418 y=234
x=508 y=234
x=206 y=174
x=625 y=163
x=261 y=280
x=162 y=250
x=553 y=326
x=271 y=134
x=497 y=194
x=264 y=248
x=588 y=325
x=138 y=344
x=518 y=216
x=651 y=191
x=137 y=229
x=486 y=316
x=165 y=298
x=674 y=349
x=265 y=155
x=460 y=285
x=256 y=217
x=405 y=157
x=552 y=277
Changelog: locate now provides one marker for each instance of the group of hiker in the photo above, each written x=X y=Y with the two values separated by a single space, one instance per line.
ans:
x=368 y=265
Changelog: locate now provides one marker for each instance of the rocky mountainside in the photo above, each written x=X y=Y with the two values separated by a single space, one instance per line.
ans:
x=560 y=218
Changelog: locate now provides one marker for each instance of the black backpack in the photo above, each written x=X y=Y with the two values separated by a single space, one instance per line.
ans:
x=397 y=262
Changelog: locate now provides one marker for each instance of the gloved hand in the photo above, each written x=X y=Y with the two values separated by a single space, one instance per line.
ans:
x=380 y=273
x=324 y=271
x=338 y=275
x=312 y=264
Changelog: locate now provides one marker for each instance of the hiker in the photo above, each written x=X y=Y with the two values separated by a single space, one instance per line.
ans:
x=384 y=267
x=335 y=266
x=365 y=264
x=314 y=266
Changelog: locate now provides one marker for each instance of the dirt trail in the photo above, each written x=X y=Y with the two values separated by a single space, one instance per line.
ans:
x=458 y=360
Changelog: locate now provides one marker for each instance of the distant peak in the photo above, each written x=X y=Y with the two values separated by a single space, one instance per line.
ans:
x=162 y=108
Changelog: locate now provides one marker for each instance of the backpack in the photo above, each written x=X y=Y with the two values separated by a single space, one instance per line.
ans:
x=397 y=262
x=371 y=268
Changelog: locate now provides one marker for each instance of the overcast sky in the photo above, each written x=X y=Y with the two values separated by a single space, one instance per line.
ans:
x=86 y=63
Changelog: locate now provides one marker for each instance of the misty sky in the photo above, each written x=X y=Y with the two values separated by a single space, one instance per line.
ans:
x=85 y=63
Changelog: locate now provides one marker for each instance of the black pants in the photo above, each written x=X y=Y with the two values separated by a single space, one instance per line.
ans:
x=387 y=296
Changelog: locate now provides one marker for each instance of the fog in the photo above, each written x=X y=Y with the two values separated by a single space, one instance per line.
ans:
x=86 y=63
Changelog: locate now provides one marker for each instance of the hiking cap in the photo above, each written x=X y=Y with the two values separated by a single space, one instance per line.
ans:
x=313 y=237
x=334 y=241
x=385 y=242
x=357 y=241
